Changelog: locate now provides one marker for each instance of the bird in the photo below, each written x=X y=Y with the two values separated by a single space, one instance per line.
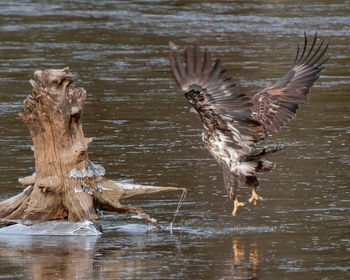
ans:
x=235 y=123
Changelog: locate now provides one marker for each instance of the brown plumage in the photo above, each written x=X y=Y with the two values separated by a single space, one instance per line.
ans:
x=233 y=122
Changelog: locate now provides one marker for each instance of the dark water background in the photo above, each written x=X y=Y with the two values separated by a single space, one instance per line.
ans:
x=144 y=132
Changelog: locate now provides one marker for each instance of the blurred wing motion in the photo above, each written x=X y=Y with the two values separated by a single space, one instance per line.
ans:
x=234 y=123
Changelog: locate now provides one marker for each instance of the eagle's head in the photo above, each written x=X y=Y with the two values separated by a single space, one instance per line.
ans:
x=193 y=94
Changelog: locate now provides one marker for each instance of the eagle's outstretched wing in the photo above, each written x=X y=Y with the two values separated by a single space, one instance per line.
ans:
x=248 y=120
x=274 y=106
x=215 y=97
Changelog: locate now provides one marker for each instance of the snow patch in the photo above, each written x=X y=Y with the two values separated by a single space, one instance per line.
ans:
x=92 y=170
x=130 y=186
x=102 y=188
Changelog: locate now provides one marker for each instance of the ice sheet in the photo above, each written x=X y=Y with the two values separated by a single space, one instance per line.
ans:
x=52 y=228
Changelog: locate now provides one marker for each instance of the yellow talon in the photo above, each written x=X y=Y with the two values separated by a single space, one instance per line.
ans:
x=255 y=197
x=236 y=205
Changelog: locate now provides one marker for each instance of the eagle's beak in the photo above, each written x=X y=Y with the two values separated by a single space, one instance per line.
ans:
x=193 y=110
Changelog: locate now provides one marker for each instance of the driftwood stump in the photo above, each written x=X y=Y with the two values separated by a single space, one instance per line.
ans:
x=65 y=185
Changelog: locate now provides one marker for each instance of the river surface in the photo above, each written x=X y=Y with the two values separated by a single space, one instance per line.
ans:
x=144 y=133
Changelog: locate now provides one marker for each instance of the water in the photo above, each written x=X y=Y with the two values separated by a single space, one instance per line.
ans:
x=143 y=131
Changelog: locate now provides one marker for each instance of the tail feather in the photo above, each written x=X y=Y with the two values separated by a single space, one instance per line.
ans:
x=254 y=163
x=250 y=168
x=265 y=166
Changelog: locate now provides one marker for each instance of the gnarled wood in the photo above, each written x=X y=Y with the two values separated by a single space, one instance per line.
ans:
x=66 y=185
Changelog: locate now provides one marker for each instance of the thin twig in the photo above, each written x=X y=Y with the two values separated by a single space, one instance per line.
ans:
x=182 y=198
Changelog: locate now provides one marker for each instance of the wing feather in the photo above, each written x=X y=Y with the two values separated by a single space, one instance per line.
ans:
x=215 y=97
x=217 y=100
x=274 y=106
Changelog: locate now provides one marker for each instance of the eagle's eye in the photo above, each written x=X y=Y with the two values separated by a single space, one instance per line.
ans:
x=191 y=101
x=191 y=94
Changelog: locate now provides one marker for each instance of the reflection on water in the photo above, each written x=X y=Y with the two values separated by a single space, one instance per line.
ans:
x=245 y=263
x=87 y=257
x=143 y=131
x=48 y=257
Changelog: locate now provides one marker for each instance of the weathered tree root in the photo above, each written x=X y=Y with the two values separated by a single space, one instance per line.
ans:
x=66 y=185
x=113 y=192
x=5 y=222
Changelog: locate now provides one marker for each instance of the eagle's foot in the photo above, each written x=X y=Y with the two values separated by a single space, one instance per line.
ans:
x=255 y=197
x=236 y=205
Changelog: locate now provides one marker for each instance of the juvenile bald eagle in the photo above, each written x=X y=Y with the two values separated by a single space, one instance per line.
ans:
x=233 y=122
